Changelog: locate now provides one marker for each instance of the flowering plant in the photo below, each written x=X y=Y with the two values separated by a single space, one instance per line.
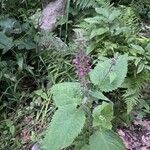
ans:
x=75 y=103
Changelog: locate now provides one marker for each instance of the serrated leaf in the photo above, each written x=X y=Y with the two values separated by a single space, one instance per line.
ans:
x=96 y=32
x=67 y=93
x=100 y=74
x=106 y=140
x=66 y=124
x=103 y=115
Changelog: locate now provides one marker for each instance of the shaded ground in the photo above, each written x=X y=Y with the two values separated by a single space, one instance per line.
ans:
x=137 y=136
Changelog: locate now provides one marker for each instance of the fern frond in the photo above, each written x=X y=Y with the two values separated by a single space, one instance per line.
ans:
x=133 y=92
x=131 y=99
x=129 y=18
x=82 y=4
x=143 y=2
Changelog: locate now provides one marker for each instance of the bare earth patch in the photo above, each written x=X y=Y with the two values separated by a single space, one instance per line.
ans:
x=137 y=136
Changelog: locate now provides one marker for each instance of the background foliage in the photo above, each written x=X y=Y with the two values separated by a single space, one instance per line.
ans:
x=33 y=61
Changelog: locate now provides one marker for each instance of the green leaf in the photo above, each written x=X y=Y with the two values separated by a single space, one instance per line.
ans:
x=131 y=102
x=112 y=76
x=114 y=14
x=103 y=11
x=20 y=61
x=103 y=115
x=94 y=20
x=65 y=127
x=140 y=67
x=99 y=31
x=7 y=23
x=26 y=43
x=6 y=43
x=90 y=48
x=29 y=44
x=98 y=95
x=39 y=92
x=106 y=140
x=147 y=67
x=43 y=94
x=100 y=74
x=138 y=49
x=148 y=47
x=137 y=61
x=82 y=4
x=119 y=30
x=67 y=93
x=85 y=147
x=11 y=77
x=11 y=127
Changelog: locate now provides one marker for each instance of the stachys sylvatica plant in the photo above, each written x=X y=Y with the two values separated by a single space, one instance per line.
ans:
x=76 y=111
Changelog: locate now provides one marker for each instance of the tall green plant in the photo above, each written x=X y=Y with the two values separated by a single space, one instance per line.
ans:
x=74 y=106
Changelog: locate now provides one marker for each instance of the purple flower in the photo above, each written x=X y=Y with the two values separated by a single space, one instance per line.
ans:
x=82 y=64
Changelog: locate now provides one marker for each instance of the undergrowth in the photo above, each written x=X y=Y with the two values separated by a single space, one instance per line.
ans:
x=73 y=87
